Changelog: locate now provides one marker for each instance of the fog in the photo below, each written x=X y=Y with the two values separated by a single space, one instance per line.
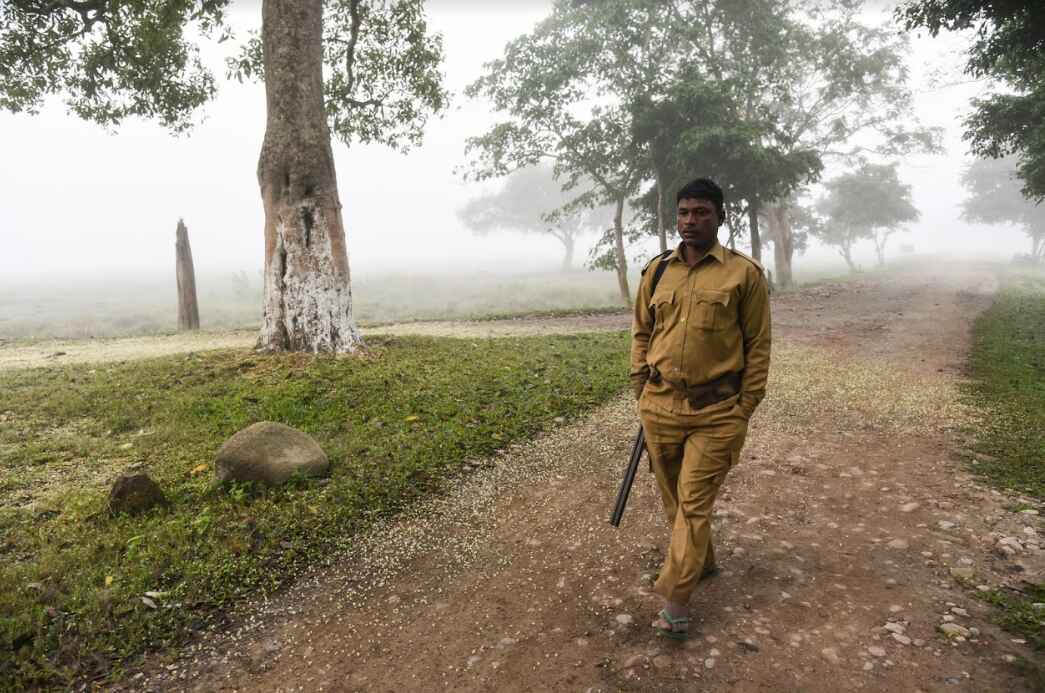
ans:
x=90 y=211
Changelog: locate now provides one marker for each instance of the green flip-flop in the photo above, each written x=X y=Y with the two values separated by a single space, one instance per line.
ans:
x=679 y=629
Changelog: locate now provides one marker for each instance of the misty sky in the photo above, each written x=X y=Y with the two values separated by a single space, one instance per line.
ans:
x=77 y=200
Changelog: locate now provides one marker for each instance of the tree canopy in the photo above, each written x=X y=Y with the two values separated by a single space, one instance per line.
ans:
x=1009 y=46
x=861 y=203
x=116 y=60
x=994 y=198
x=533 y=201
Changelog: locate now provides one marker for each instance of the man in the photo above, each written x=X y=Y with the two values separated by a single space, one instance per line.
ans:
x=699 y=362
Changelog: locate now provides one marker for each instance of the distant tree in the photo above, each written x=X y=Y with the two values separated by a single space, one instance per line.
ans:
x=702 y=128
x=845 y=95
x=994 y=198
x=563 y=91
x=1009 y=46
x=870 y=202
x=531 y=202
x=115 y=60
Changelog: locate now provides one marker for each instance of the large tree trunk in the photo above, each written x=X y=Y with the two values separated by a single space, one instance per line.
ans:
x=756 y=240
x=662 y=215
x=622 y=259
x=308 y=299
x=782 y=236
x=188 y=308
x=846 y=249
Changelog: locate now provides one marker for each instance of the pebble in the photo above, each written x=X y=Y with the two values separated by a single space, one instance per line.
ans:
x=962 y=572
x=876 y=651
x=958 y=611
x=895 y=608
x=624 y=619
x=909 y=507
x=953 y=630
x=830 y=654
x=634 y=661
x=507 y=642
x=868 y=666
x=898 y=544
x=893 y=627
x=473 y=660
x=944 y=524
x=901 y=638
x=662 y=661
x=709 y=663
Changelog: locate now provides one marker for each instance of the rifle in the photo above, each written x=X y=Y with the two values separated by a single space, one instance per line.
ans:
x=629 y=478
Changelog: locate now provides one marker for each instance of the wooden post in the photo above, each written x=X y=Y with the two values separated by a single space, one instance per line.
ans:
x=188 y=308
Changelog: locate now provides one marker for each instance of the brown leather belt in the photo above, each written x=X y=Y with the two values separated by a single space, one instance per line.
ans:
x=705 y=394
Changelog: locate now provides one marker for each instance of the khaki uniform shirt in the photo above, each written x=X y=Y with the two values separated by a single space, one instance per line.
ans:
x=711 y=319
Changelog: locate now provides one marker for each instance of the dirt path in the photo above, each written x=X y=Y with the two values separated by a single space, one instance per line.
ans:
x=57 y=352
x=847 y=536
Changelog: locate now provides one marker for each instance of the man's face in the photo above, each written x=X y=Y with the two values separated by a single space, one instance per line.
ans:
x=698 y=222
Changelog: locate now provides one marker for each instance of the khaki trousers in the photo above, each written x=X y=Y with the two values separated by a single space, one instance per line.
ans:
x=690 y=455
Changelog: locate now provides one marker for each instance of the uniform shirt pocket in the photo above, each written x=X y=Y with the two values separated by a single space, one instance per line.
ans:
x=664 y=309
x=710 y=309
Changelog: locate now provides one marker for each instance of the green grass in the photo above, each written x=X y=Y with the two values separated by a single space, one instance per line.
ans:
x=1008 y=366
x=72 y=576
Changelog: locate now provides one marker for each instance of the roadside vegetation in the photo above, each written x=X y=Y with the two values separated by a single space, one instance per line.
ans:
x=83 y=593
x=1008 y=366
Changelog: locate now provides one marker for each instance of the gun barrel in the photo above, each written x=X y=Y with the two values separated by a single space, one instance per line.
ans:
x=629 y=478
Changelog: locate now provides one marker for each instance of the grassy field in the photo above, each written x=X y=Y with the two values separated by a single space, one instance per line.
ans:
x=1008 y=364
x=120 y=307
x=396 y=425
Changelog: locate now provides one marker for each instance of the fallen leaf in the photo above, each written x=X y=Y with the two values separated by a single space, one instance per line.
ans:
x=411 y=419
x=148 y=602
x=199 y=469
x=108 y=580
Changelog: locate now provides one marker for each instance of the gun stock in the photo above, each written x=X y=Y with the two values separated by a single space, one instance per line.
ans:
x=629 y=478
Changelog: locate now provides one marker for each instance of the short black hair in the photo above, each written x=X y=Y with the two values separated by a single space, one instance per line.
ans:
x=703 y=189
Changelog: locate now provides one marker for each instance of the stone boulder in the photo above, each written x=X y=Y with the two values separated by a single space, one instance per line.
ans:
x=135 y=493
x=269 y=453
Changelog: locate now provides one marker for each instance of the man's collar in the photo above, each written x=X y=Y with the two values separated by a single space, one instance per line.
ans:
x=716 y=251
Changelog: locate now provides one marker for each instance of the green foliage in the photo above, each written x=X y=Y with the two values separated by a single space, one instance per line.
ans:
x=114 y=60
x=382 y=79
x=1009 y=45
x=397 y=425
x=995 y=199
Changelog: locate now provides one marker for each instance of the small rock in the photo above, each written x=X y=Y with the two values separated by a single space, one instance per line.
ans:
x=898 y=544
x=945 y=525
x=830 y=654
x=709 y=663
x=634 y=661
x=901 y=638
x=958 y=611
x=918 y=642
x=662 y=661
x=953 y=630
x=909 y=507
x=624 y=619
x=748 y=644
x=894 y=627
x=473 y=660
x=876 y=651
x=506 y=642
x=134 y=494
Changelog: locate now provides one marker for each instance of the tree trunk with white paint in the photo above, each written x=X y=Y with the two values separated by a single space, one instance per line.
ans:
x=308 y=299
x=188 y=307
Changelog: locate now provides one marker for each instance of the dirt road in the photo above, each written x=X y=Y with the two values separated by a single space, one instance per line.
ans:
x=848 y=536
